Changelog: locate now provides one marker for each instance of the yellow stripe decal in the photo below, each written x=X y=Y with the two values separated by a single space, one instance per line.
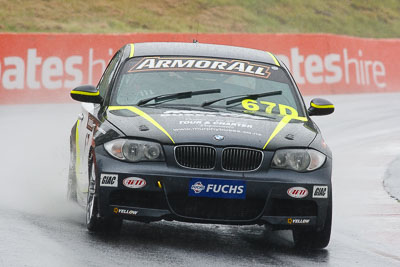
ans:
x=285 y=120
x=85 y=93
x=78 y=152
x=143 y=115
x=132 y=50
x=322 y=106
x=274 y=58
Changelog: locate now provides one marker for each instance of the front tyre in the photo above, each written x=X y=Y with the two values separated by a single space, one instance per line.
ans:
x=94 y=222
x=306 y=239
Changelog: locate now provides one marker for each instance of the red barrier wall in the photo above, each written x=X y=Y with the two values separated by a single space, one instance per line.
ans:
x=39 y=68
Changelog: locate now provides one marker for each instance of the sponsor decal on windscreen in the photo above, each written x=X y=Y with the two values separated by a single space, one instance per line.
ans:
x=202 y=64
x=217 y=188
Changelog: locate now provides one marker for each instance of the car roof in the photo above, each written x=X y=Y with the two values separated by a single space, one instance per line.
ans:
x=199 y=49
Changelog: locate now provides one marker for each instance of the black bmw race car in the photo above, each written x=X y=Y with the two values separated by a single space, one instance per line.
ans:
x=201 y=133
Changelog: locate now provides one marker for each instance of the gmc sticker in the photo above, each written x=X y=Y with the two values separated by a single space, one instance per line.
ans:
x=110 y=180
x=320 y=191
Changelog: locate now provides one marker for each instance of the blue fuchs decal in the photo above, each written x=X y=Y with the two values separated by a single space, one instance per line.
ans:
x=216 y=188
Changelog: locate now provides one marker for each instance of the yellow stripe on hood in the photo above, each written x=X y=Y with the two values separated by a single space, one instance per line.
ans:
x=144 y=116
x=285 y=120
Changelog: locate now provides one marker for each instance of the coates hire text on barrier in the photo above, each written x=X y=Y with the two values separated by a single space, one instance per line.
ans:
x=43 y=68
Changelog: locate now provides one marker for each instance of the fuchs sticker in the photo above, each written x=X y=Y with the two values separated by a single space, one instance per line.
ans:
x=134 y=182
x=217 y=188
x=197 y=187
x=297 y=192
x=110 y=180
x=320 y=191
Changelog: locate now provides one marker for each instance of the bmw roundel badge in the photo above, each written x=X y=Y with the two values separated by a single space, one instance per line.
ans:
x=219 y=137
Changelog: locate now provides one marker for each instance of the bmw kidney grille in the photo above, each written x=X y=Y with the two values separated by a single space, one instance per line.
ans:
x=204 y=157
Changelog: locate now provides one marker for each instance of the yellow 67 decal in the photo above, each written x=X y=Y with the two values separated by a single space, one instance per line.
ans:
x=284 y=110
x=253 y=105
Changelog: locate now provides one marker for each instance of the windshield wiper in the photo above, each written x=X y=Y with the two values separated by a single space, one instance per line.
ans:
x=241 y=97
x=182 y=95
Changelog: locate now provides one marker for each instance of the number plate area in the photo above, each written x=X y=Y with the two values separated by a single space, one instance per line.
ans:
x=217 y=188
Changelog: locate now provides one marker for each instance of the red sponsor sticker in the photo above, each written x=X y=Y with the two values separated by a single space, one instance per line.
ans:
x=134 y=182
x=297 y=192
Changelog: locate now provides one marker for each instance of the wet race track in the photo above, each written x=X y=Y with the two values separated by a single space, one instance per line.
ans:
x=39 y=228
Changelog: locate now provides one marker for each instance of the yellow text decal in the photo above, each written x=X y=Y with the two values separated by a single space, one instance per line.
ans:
x=289 y=113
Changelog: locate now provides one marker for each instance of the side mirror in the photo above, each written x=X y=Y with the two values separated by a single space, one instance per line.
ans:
x=86 y=93
x=320 y=107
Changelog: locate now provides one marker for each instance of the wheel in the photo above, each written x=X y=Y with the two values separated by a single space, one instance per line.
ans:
x=314 y=239
x=94 y=222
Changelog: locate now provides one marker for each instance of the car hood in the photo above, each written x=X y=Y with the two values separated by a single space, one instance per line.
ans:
x=211 y=126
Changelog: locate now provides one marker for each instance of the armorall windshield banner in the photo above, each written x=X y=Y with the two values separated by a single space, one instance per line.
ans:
x=43 y=68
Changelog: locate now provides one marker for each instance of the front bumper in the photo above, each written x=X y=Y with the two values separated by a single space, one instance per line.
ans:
x=166 y=195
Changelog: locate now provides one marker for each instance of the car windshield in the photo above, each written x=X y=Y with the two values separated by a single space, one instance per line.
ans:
x=204 y=82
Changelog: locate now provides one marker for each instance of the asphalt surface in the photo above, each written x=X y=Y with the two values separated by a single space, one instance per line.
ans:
x=39 y=228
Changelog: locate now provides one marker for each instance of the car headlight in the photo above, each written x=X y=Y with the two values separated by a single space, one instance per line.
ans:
x=134 y=150
x=300 y=160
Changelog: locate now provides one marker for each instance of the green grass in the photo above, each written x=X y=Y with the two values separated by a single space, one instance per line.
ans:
x=364 y=18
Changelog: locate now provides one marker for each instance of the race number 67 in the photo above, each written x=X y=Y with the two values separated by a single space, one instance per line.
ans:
x=284 y=110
